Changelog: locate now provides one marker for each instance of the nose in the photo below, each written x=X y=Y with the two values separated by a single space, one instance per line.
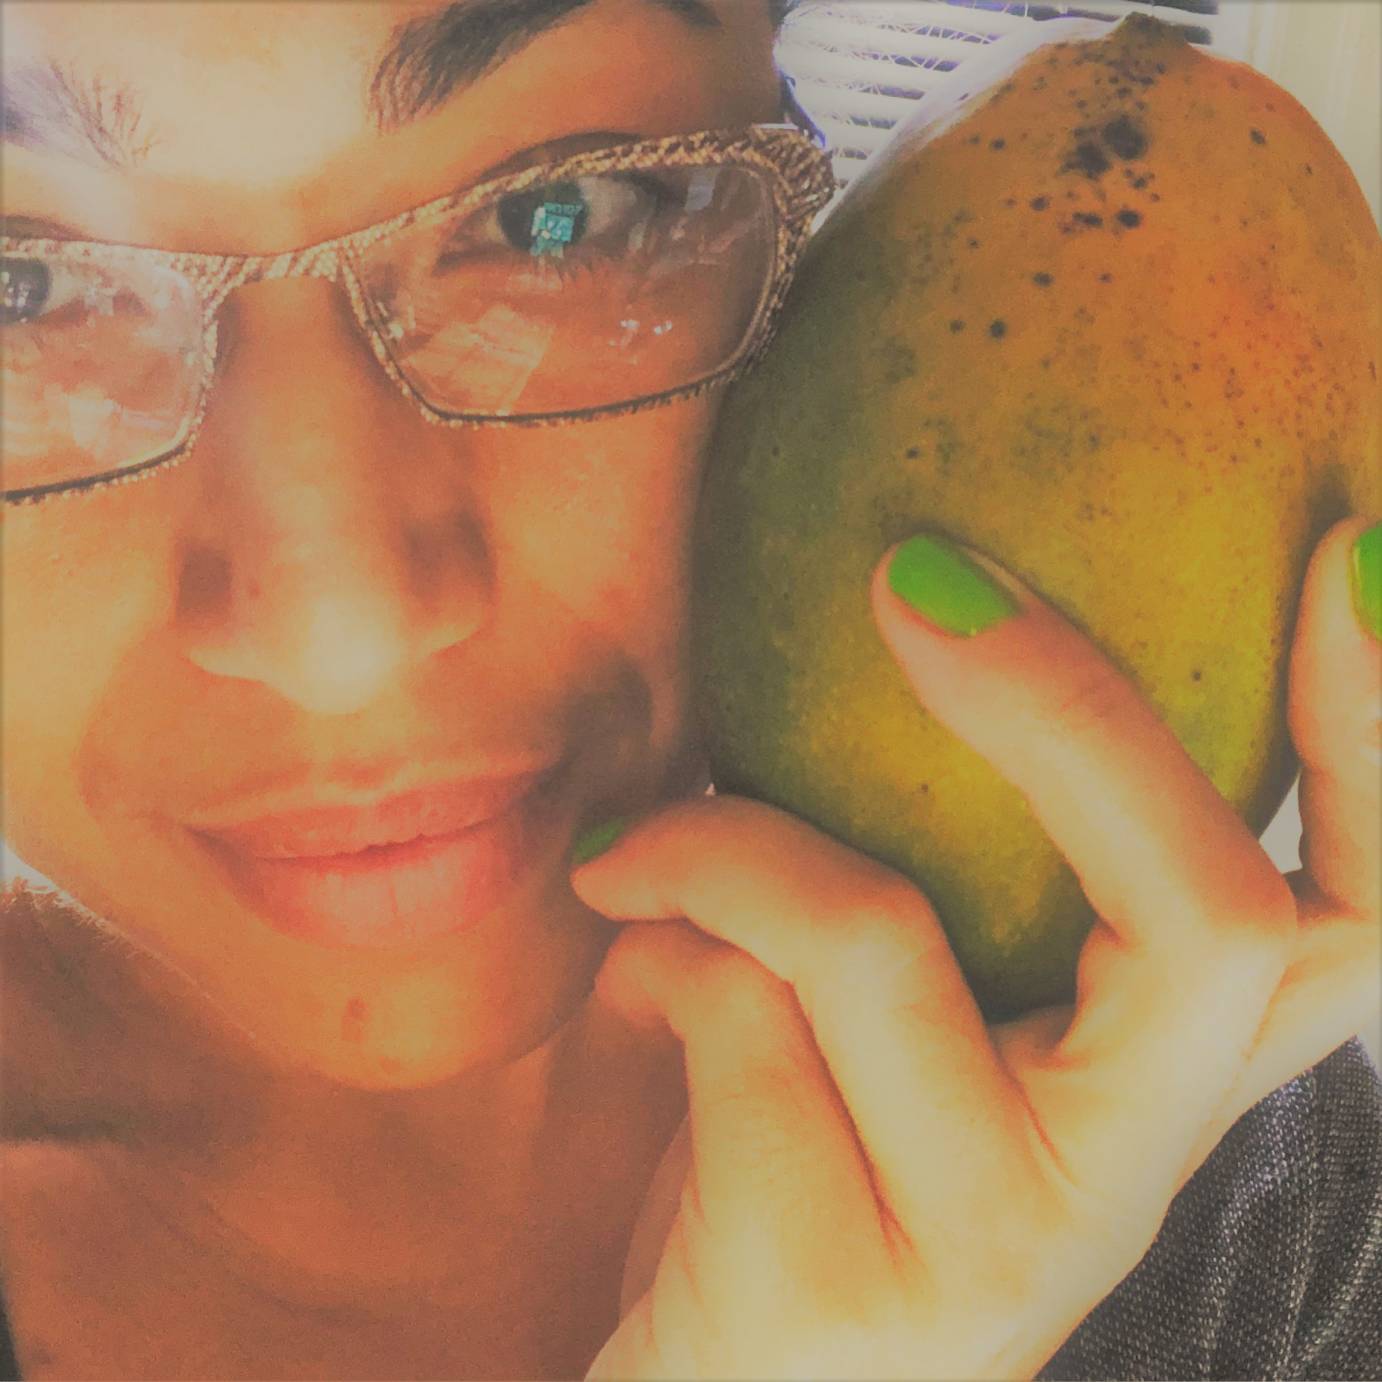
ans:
x=336 y=544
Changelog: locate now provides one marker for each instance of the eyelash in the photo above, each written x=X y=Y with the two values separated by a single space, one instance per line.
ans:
x=569 y=270
x=660 y=197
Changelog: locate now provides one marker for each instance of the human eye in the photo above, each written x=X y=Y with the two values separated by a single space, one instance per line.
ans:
x=598 y=216
x=31 y=289
x=99 y=361
x=582 y=286
x=51 y=293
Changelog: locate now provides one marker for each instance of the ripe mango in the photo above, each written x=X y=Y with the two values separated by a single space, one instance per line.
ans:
x=1105 y=308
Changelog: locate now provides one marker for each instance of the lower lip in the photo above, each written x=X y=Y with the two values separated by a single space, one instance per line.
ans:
x=397 y=895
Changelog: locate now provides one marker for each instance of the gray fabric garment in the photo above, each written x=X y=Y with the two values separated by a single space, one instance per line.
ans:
x=1269 y=1261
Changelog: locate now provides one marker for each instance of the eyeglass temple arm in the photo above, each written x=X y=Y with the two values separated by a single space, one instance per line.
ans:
x=793 y=111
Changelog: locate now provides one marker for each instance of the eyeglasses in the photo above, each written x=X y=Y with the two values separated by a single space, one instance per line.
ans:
x=614 y=280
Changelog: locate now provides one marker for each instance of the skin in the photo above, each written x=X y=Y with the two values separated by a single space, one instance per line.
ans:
x=236 y=634
x=435 y=1164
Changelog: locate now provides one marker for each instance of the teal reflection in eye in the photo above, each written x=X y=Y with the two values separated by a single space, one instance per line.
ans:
x=554 y=226
x=545 y=220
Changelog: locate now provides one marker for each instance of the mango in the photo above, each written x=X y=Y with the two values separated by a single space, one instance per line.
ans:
x=1105 y=308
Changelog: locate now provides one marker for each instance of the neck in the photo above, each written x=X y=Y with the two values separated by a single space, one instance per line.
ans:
x=324 y=1193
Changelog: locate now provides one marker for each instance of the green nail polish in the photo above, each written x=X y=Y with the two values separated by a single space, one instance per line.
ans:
x=595 y=842
x=946 y=587
x=1366 y=569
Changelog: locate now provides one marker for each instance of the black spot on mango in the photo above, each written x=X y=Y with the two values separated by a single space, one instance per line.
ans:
x=1125 y=137
x=1088 y=158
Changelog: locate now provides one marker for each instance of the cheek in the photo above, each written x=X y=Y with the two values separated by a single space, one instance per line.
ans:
x=616 y=506
x=640 y=591
x=74 y=605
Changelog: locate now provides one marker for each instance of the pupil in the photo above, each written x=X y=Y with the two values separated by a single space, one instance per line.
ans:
x=24 y=285
x=545 y=220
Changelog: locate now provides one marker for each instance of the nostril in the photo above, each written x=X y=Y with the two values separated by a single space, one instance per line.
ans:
x=448 y=561
x=204 y=584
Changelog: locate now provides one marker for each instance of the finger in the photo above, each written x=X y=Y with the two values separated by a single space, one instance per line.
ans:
x=1335 y=719
x=775 y=1165
x=1331 y=991
x=872 y=969
x=1173 y=985
x=655 y=1218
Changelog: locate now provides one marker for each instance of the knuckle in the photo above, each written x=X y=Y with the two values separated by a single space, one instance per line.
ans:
x=735 y=986
x=890 y=936
x=1261 y=916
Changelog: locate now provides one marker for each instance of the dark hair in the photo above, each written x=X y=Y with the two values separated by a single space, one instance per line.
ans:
x=430 y=55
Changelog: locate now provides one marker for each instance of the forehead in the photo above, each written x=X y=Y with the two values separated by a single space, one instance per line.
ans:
x=214 y=101
x=157 y=76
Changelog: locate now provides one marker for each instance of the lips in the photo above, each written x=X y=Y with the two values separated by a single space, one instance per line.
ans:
x=323 y=832
x=400 y=870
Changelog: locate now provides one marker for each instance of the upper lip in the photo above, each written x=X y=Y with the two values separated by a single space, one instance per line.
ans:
x=311 y=824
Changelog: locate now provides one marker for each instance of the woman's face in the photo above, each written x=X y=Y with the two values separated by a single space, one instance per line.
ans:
x=224 y=678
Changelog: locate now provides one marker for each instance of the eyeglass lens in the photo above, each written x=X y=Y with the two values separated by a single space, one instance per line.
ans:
x=101 y=366
x=571 y=295
x=577 y=294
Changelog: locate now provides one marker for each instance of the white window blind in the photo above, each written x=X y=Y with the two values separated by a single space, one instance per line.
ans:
x=858 y=66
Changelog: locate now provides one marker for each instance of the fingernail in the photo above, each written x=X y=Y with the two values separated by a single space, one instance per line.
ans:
x=595 y=842
x=946 y=588
x=1366 y=569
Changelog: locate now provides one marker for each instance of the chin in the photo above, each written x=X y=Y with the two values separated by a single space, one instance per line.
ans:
x=424 y=1025
x=224 y=991
x=382 y=1019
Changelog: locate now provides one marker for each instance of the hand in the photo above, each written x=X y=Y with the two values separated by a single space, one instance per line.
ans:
x=872 y=1182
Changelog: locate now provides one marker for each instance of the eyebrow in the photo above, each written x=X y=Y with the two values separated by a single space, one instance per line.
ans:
x=56 y=107
x=429 y=58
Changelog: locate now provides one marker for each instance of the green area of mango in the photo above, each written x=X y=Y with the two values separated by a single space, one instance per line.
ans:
x=1106 y=309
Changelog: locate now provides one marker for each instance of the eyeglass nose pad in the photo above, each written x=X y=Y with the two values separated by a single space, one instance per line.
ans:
x=219 y=348
x=211 y=362
x=205 y=360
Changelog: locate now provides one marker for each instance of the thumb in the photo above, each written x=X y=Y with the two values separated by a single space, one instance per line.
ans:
x=1335 y=710
x=1331 y=990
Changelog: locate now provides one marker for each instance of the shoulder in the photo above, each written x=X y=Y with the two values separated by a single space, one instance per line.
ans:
x=1269 y=1261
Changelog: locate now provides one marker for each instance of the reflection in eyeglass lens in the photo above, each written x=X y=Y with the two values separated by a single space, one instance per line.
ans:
x=576 y=294
x=99 y=366
x=579 y=293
